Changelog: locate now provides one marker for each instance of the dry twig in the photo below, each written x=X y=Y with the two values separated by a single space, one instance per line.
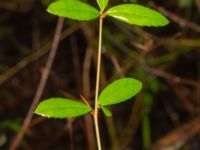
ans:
x=177 y=138
x=41 y=86
x=33 y=57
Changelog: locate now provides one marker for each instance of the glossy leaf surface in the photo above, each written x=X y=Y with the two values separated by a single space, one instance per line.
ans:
x=73 y=9
x=106 y=111
x=61 y=108
x=137 y=15
x=102 y=4
x=119 y=91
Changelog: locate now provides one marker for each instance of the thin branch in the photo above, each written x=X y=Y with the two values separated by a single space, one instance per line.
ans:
x=172 y=77
x=85 y=101
x=33 y=57
x=41 y=86
x=182 y=22
x=89 y=35
x=177 y=138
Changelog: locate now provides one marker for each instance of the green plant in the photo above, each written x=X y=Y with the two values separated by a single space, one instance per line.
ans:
x=119 y=90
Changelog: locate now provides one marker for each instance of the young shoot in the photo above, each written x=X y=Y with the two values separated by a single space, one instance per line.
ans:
x=119 y=90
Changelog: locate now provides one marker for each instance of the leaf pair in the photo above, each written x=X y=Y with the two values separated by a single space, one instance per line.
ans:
x=116 y=92
x=130 y=13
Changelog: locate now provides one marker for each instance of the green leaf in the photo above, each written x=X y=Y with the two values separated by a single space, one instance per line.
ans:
x=61 y=108
x=73 y=9
x=119 y=91
x=137 y=15
x=106 y=111
x=102 y=4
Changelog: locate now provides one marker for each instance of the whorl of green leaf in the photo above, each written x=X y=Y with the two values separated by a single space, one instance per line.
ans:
x=73 y=9
x=102 y=4
x=61 y=108
x=119 y=91
x=137 y=15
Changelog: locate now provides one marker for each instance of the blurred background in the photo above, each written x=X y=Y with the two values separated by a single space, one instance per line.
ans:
x=165 y=115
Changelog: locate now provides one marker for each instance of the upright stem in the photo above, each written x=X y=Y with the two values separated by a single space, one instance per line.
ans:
x=97 y=84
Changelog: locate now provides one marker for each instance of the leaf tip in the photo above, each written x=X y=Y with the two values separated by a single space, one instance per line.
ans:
x=164 y=21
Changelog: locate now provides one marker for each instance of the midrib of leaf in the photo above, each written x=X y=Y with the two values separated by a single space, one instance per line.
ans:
x=133 y=14
x=64 y=108
x=82 y=10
